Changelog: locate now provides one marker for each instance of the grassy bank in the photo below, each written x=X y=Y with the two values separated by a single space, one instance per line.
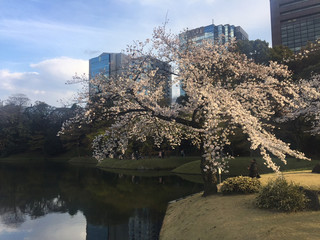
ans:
x=236 y=217
x=238 y=166
x=38 y=157
x=146 y=163
x=29 y=157
x=83 y=160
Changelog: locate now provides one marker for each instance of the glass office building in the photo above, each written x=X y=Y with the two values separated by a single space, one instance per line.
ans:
x=214 y=33
x=99 y=65
x=294 y=23
x=106 y=64
x=110 y=64
x=217 y=34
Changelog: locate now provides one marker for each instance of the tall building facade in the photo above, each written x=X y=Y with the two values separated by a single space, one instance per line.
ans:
x=214 y=33
x=217 y=34
x=112 y=64
x=107 y=64
x=294 y=23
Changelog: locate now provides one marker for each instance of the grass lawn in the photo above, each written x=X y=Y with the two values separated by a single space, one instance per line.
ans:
x=29 y=157
x=83 y=160
x=238 y=166
x=38 y=157
x=304 y=178
x=236 y=217
x=146 y=163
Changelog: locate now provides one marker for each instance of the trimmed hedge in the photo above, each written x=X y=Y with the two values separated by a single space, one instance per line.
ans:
x=240 y=184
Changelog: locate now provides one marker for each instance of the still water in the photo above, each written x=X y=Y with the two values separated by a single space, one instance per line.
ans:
x=63 y=202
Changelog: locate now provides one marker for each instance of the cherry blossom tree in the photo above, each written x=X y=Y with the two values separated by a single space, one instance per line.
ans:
x=224 y=89
x=308 y=104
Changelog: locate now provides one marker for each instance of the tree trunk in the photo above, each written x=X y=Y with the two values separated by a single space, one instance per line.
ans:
x=209 y=178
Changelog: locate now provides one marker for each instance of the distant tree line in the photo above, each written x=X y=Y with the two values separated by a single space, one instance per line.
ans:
x=33 y=128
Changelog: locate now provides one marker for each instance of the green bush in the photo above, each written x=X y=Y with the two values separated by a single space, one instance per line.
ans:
x=282 y=196
x=240 y=184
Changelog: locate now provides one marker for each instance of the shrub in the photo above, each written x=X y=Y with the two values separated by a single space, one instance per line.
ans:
x=240 y=184
x=282 y=196
x=316 y=168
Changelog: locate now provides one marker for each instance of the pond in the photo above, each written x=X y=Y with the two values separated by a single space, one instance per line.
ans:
x=67 y=202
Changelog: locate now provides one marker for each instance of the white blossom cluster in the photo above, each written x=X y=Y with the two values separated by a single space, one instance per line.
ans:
x=308 y=105
x=224 y=90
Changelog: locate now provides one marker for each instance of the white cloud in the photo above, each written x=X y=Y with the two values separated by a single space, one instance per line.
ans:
x=252 y=15
x=41 y=35
x=61 y=69
x=9 y=80
x=47 y=83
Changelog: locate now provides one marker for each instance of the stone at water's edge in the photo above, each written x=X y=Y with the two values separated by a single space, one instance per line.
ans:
x=316 y=168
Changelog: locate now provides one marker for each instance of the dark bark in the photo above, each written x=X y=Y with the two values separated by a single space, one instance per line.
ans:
x=209 y=178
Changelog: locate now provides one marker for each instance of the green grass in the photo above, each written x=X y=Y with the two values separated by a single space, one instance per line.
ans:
x=38 y=156
x=146 y=163
x=138 y=173
x=238 y=166
x=83 y=160
x=28 y=157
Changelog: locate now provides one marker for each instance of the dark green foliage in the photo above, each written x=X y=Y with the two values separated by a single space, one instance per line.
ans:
x=280 y=54
x=313 y=199
x=316 y=168
x=34 y=128
x=309 y=64
x=256 y=50
x=240 y=184
x=282 y=196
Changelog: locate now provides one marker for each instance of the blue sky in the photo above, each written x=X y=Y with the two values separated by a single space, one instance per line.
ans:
x=44 y=43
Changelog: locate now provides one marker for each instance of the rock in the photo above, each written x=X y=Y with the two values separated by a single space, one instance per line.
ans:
x=316 y=168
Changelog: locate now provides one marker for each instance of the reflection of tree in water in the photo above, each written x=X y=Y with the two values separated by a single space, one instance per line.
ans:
x=106 y=200
x=27 y=192
x=43 y=206
x=13 y=218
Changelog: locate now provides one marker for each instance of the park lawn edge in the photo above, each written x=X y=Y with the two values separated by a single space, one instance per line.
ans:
x=145 y=164
x=236 y=216
x=238 y=166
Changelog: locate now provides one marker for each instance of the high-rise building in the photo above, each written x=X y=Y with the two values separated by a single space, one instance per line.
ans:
x=107 y=64
x=294 y=23
x=162 y=77
x=215 y=33
x=112 y=64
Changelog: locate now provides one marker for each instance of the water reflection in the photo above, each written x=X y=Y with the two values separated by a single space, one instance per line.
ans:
x=63 y=202
x=54 y=226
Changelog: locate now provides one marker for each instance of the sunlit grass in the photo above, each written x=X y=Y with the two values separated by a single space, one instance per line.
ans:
x=235 y=217
x=239 y=166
